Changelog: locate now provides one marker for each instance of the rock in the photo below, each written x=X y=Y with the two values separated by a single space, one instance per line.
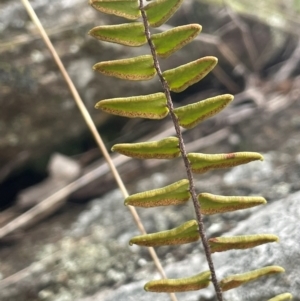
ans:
x=63 y=167
x=62 y=171
x=280 y=218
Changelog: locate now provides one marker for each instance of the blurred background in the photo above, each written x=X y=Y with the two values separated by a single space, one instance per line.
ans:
x=77 y=247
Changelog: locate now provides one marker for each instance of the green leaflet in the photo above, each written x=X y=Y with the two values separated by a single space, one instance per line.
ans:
x=186 y=75
x=159 y=11
x=153 y=106
x=220 y=244
x=128 y=9
x=164 y=149
x=193 y=283
x=282 y=297
x=174 y=194
x=239 y=279
x=202 y=163
x=172 y=40
x=138 y=68
x=212 y=204
x=185 y=233
x=190 y=115
x=129 y=34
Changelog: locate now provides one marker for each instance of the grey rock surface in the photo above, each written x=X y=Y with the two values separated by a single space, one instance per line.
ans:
x=280 y=218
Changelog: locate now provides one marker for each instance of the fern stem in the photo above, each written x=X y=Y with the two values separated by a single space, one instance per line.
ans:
x=183 y=154
x=87 y=117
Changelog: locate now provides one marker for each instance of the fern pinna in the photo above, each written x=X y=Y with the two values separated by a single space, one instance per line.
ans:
x=158 y=106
